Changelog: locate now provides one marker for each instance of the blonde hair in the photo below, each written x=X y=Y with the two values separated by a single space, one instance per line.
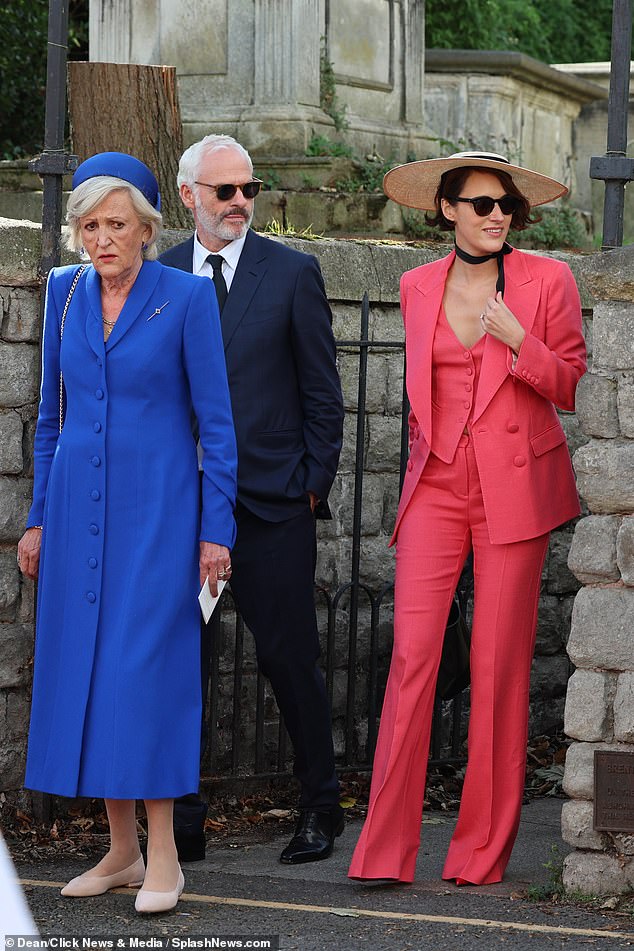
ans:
x=84 y=199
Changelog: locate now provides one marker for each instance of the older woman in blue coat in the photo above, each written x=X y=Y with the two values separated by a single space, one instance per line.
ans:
x=115 y=532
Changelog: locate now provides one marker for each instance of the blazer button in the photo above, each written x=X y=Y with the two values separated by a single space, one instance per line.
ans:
x=96 y=461
x=96 y=427
x=91 y=596
x=93 y=529
x=512 y=428
x=99 y=393
x=92 y=562
x=519 y=461
x=95 y=495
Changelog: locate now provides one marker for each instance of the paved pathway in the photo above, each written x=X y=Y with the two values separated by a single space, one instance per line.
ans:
x=241 y=891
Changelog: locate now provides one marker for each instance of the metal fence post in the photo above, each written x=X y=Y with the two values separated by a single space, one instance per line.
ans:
x=614 y=168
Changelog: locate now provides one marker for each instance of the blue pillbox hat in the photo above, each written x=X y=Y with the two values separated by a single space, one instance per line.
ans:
x=125 y=167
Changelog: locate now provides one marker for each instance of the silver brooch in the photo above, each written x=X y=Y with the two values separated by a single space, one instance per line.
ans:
x=158 y=310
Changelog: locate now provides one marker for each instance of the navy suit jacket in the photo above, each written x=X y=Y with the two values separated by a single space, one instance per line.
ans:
x=283 y=379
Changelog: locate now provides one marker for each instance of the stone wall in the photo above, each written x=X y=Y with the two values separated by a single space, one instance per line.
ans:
x=19 y=380
x=599 y=712
x=511 y=103
x=350 y=268
x=591 y=130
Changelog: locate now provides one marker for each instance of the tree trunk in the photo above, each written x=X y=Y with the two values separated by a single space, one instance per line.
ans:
x=133 y=109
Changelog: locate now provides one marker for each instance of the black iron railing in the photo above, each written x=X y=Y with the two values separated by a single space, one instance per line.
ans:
x=240 y=731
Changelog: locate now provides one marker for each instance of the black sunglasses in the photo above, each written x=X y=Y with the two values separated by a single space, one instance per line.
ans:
x=226 y=192
x=483 y=205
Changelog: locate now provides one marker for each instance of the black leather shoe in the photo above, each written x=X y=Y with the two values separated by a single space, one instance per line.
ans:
x=314 y=837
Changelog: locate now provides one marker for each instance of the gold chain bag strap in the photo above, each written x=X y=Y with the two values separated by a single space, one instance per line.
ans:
x=61 y=334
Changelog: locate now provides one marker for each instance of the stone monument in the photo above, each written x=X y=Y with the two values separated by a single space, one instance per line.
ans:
x=255 y=69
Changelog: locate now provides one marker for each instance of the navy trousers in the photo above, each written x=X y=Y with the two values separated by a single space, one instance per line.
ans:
x=273 y=570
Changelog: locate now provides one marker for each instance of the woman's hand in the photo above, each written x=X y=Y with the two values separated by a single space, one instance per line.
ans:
x=215 y=564
x=498 y=321
x=29 y=552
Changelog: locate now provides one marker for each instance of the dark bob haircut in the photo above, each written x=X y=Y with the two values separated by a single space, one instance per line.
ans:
x=454 y=180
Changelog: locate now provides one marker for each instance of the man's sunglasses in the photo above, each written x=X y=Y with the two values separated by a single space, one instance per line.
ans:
x=483 y=205
x=226 y=192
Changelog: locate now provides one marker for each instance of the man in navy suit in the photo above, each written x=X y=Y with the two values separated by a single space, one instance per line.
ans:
x=288 y=416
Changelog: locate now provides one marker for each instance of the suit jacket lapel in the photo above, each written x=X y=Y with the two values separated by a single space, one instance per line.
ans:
x=136 y=302
x=249 y=273
x=521 y=296
x=423 y=307
x=94 y=326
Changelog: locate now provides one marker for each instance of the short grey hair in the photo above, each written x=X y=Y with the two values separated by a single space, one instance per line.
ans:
x=85 y=198
x=193 y=156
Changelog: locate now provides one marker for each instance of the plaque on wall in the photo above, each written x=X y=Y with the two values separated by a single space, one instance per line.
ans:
x=613 y=791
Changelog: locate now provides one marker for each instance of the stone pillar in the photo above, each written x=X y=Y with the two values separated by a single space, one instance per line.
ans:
x=285 y=110
x=109 y=30
x=599 y=711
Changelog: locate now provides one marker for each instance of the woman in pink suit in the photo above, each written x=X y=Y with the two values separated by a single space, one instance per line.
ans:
x=493 y=343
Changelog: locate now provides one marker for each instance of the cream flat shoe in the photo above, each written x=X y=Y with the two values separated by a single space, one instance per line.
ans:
x=148 y=902
x=88 y=884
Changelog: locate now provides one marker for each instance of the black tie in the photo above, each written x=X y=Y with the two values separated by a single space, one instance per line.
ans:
x=219 y=282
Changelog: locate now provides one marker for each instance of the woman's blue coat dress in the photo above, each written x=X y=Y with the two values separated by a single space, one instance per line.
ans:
x=116 y=707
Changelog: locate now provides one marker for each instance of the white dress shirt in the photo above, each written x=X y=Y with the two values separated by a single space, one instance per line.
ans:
x=230 y=255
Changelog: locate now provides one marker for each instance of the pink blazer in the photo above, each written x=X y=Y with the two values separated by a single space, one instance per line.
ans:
x=528 y=484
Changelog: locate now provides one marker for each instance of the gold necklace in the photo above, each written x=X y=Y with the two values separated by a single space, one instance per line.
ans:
x=107 y=326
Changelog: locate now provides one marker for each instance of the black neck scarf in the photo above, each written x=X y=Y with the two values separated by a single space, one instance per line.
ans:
x=480 y=259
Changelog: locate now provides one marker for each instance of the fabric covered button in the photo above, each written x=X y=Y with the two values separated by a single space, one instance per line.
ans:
x=410 y=465
x=467 y=355
x=469 y=371
x=96 y=461
x=92 y=562
x=512 y=428
x=95 y=495
x=467 y=387
x=99 y=393
x=91 y=596
x=93 y=529
x=467 y=404
x=96 y=427
x=519 y=461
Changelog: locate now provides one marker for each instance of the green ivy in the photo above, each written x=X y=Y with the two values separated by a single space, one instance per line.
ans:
x=322 y=145
x=328 y=90
x=559 y=228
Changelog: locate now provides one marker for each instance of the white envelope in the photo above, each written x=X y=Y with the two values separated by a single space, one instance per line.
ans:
x=207 y=601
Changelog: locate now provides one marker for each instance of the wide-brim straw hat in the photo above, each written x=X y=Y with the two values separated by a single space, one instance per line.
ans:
x=416 y=183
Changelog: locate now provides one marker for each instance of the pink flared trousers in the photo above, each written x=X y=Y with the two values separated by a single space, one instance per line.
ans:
x=444 y=519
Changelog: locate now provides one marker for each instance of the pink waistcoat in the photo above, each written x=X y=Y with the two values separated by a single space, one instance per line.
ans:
x=455 y=374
